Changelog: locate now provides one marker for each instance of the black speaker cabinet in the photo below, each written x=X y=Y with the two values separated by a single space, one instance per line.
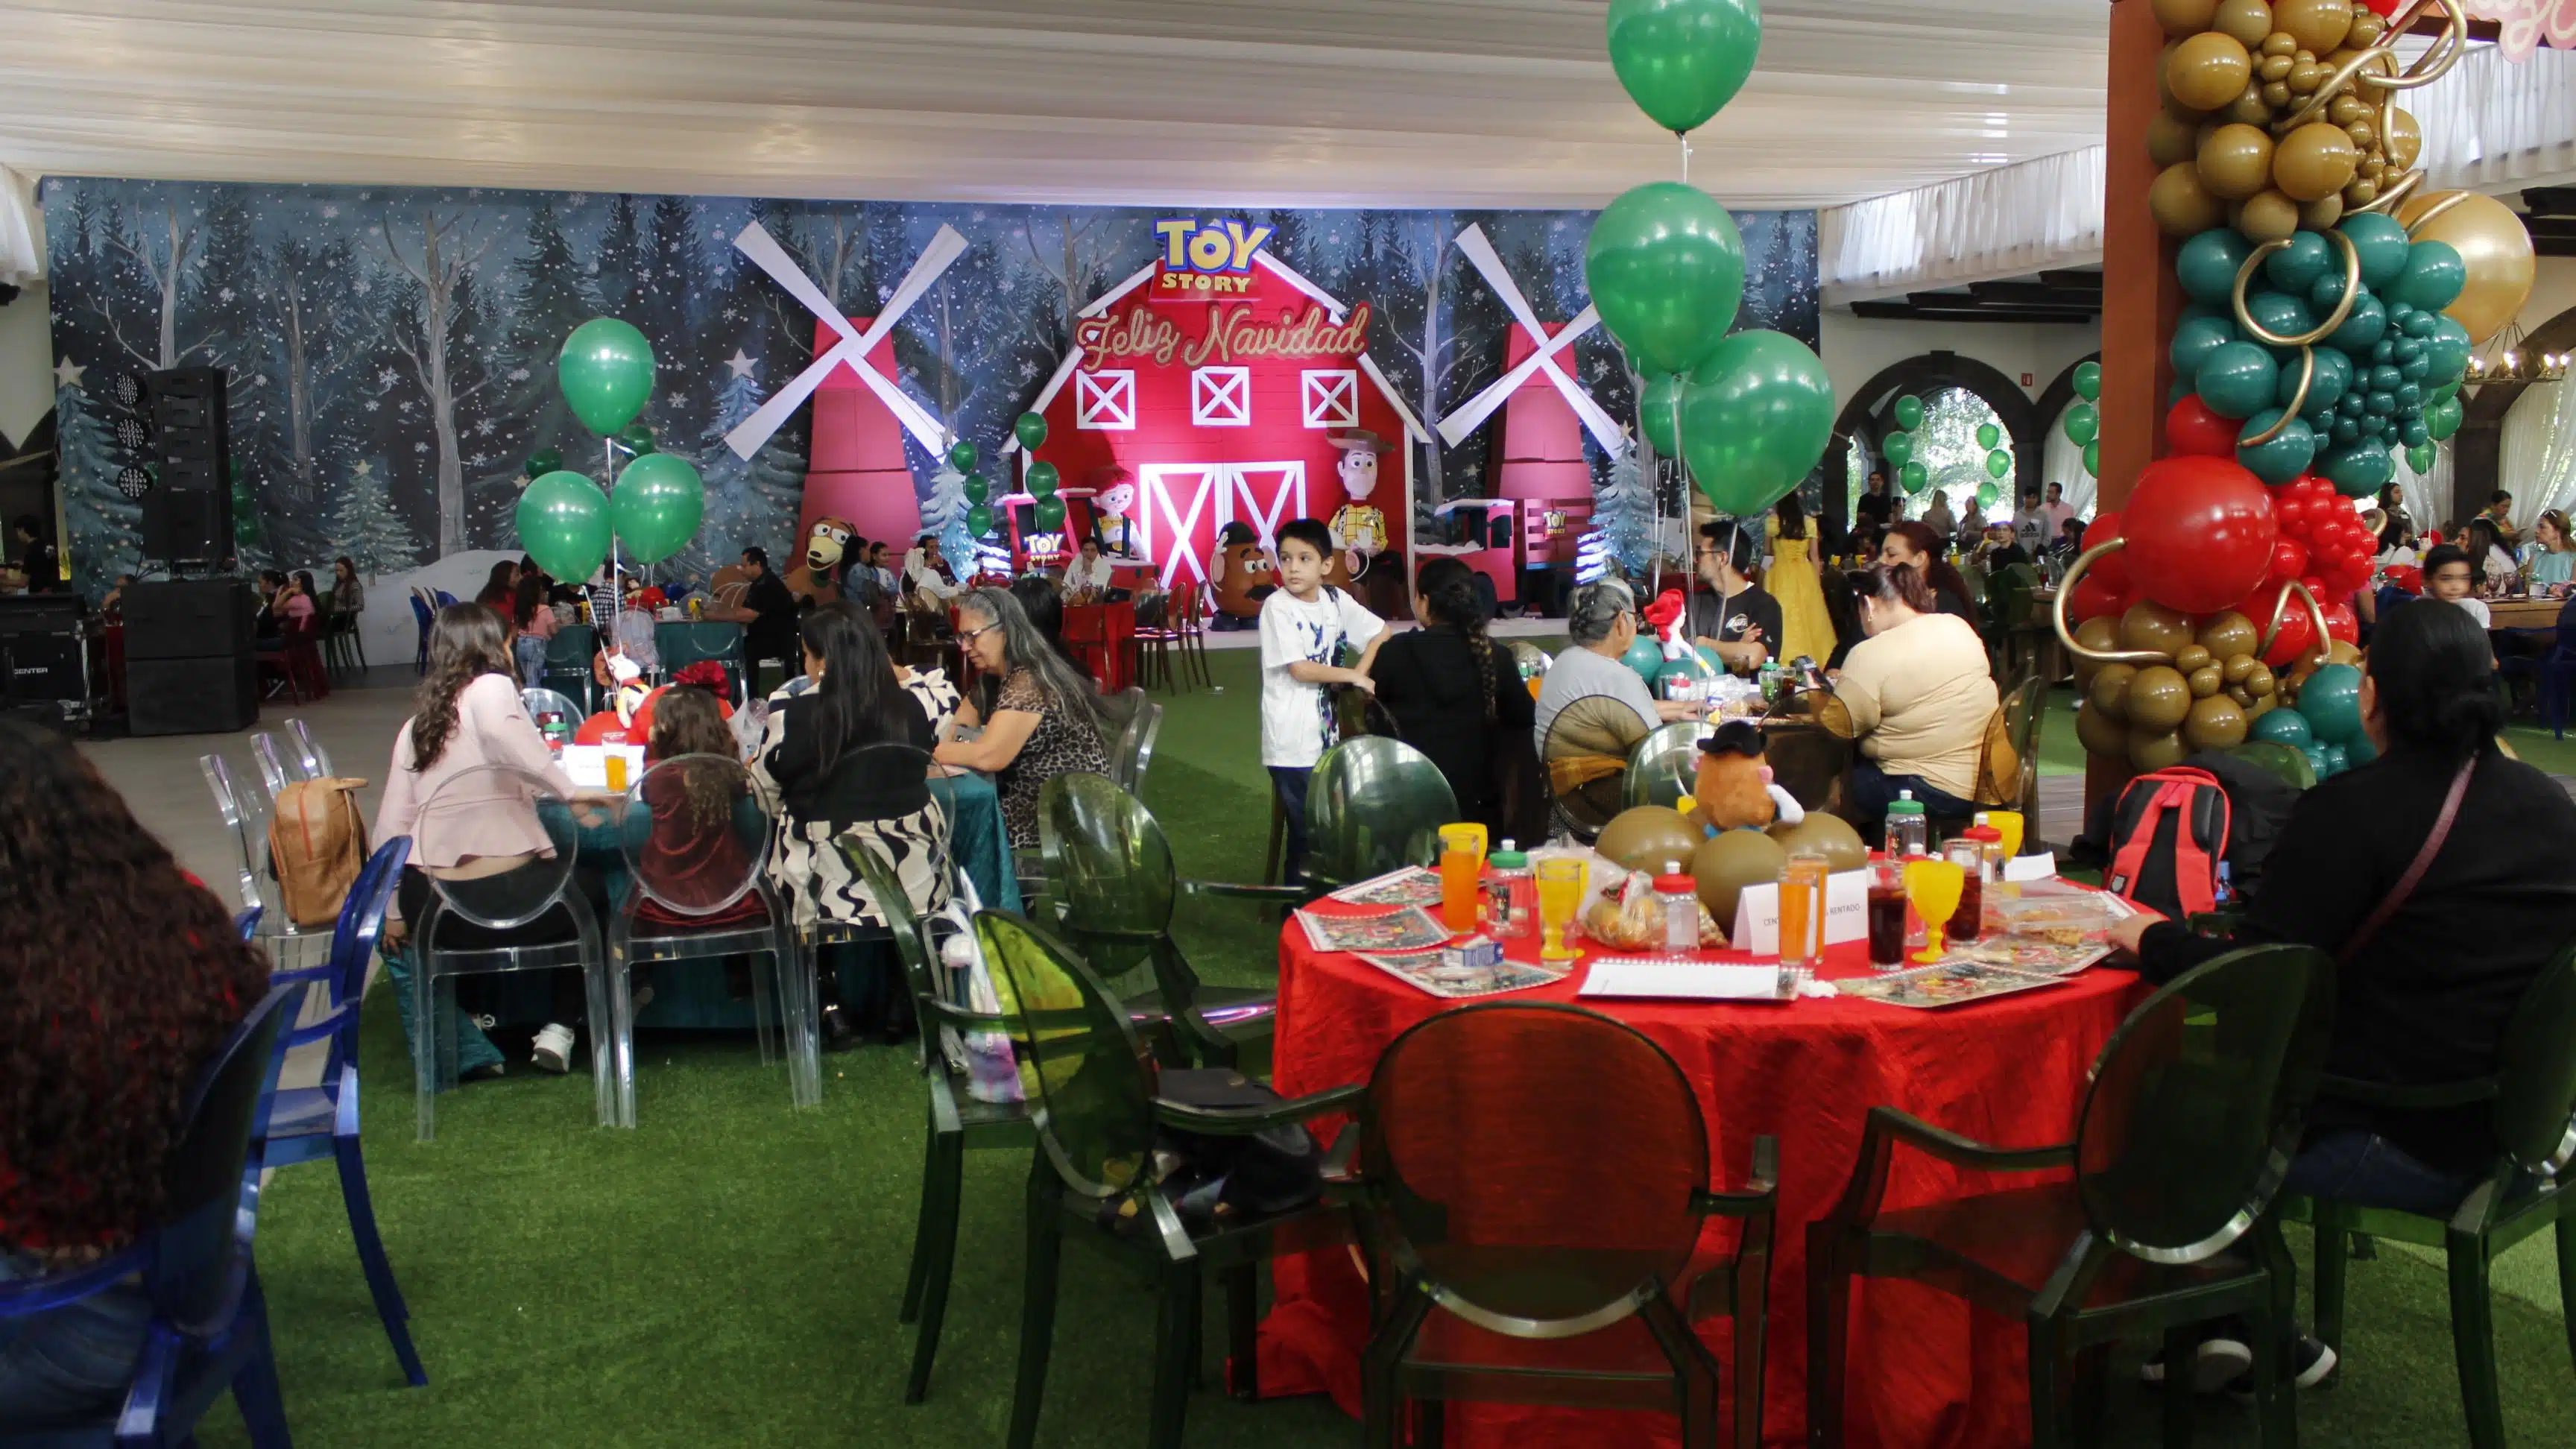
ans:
x=188 y=515
x=41 y=644
x=189 y=619
x=191 y=696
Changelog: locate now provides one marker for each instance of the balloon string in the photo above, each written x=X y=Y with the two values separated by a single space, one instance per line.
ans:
x=1681 y=459
x=608 y=471
x=1684 y=138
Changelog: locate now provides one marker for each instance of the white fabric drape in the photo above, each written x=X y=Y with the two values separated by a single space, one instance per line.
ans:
x=2537 y=462
x=2063 y=462
x=2493 y=122
x=2011 y=220
x=22 y=230
x=2426 y=497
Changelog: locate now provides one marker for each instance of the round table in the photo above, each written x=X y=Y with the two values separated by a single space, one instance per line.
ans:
x=1928 y=1372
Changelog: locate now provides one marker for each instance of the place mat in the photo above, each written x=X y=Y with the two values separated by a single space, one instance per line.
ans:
x=1411 y=886
x=1427 y=971
x=1409 y=929
x=1945 y=983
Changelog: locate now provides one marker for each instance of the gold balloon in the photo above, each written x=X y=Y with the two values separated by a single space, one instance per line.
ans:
x=2274 y=66
x=2343 y=651
x=2184 y=17
x=2314 y=162
x=2317 y=25
x=2237 y=669
x=2227 y=634
x=2215 y=723
x=2321 y=215
x=2305 y=76
x=2280 y=45
x=1828 y=835
x=2360 y=194
x=2276 y=95
x=2158 y=699
x=2236 y=161
x=2261 y=681
x=2110 y=691
x=2345 y=109
x=2192 y=656
x=1645 y=836
x=2208 y=70
x=1730 y=860
x=2169 y=140
x=2204 y=681
x=2253 y=108
x=2244 y=697
x=2156 y=750
x=2405 y=140
x=2266 y=216
x=2492 y=241
x=2100 y=633
x=2180 y=204
x=2150 y=625
x=2100 y=734
x=2246 y=22
x=2366 y=30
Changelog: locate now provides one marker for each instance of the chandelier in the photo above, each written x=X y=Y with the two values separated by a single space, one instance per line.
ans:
x=2506 y=360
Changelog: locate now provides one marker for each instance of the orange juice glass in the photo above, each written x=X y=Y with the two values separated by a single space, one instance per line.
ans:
x=1802 y=909
x=1462 y=870
x=616 y=762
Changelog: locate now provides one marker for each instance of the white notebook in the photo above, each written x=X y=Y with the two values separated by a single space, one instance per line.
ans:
x=1679 y=978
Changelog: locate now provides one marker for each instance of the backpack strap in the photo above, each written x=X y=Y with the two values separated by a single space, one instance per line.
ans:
x=2414 y=875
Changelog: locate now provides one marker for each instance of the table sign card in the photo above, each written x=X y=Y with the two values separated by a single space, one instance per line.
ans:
x=1757 y=914
x=587 y=765
x=2031 y=867
x=1680 y=978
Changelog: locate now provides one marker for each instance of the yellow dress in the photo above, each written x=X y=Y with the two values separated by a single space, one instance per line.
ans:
x=1805 y=628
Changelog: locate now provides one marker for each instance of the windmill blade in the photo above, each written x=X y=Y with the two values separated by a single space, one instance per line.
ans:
x=770 y=416
x=853 y=348
x=770 y=257
x=1481 y=255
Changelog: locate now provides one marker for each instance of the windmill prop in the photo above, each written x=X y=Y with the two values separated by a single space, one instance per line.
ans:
x=852 y=350
x=1542 y=359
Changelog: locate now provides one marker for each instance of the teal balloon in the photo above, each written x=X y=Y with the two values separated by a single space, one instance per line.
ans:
x=2443 y=418
x=1031 y=430
x=2093 y=458
x=1998 y=464
x=542 y=462
x=1898 y=449
x=1657 y=411
x=2281 y=727
x=2331 y=699
x=963 y=456
x=2193 y=341
x=1909 y=412
x=606 y=373
x=2420 y=458
x=977 y=489
x=2088 y=381
x=2315 y=752
x=2446 y=352
x=1042 y=480
x=1681 y=60
x=2363 y=329
x=2285 y=456
x=1914 y=477
x=1757 y=427
x=2207 y=264
x=2359 y=751
x=1646 y=657
x=2083 y=423
x=1988 y=435
x=2332 y=377
x=2296 y=267
x=2337 y=760
x=1665 y=265
x=2281 y=314
x=2358 y=469
x=636 y=437
x=563 y=525
x=1049 y=514
x=2237 y=380
x=979 y=521
x=2382 y=244
x=657 y=507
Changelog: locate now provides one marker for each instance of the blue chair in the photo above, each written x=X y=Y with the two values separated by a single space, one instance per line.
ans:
x=309 y=1124
x=445 y=599
x=247 y=923
x=420 y=614
x=2553 y=673
x=209 y=1327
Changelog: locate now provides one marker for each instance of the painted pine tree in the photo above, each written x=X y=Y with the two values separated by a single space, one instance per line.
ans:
x=106 y=527
x=751 y=502
x=944 y=511
x=1625 y=511
x=368 y=529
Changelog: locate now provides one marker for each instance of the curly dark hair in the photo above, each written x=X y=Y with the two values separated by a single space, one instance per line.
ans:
x=103 y=1039
x=468 y=642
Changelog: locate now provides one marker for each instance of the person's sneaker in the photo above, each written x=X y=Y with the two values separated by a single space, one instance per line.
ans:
x=2310 y=1362
x=554 y=1048
x=2216 y=1364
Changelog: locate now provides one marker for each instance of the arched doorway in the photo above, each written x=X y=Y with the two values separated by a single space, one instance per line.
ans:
x=1867 y=418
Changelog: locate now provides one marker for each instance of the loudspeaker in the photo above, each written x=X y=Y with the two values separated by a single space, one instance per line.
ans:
x=41 y=645
x=189 y=619
x=191 y=696
x=188 y=515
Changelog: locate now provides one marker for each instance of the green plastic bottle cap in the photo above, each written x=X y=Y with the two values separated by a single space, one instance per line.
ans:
x=1903 y=806
x=1508 y=860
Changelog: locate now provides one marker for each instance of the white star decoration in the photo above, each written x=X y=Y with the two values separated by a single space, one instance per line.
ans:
x=740 y=364
x=67 y=373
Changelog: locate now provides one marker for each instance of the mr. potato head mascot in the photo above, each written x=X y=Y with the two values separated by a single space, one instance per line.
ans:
x=814 y=580
x=1359 y=527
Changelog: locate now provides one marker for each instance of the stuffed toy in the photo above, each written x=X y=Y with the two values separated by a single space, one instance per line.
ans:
x=814 y=579
x=1734 y=790
x=1665 y=614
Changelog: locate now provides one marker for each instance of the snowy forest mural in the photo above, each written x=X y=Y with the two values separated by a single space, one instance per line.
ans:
x=390 y=352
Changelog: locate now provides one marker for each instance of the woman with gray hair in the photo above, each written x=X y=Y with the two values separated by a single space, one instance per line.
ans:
x=1602 y=622
x=1042 y=720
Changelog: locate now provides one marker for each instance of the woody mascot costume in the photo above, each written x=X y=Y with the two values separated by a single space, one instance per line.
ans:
x=1359 y=527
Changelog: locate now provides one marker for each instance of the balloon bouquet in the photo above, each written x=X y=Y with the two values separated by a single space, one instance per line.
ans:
x=2333 y=309
x=1042 y=480
x=565 y=522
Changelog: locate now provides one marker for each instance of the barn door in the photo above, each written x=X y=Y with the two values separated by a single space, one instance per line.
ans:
x=1181 y=506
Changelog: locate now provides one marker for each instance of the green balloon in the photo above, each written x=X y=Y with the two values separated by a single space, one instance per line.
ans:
x=2298 y=266
x=2383 y=247
x=542 y=462
x=563 y=525
x=637 y=438
x=2285 y=456
x=1666 y=268
x=1758 y=427
x=2206 y=265
x=1988 y=494
x=1988 y=435
x=2093 y=457
x=1042 y=480
x=2281 y=727
x=1898 y=449
x=657 y=506
x=2238 y=380
x=963 y=457
x=1645 y=658
x=979 y=521
x=1998 y=464
x=2083 y=423
x=2434 y=277
x=2331 y=699
x=2420 y=459
x=976 y=488
x=2446 y=353
x=1050 y=513
x=606 y=372
x=1914 y=477
x=2358 y=469
x=1909 y=412
x=2088 y=381
x=2192 y=343
x=1031 y=430
x=1680 y=60
x=2442 y=419
x=1658 y=408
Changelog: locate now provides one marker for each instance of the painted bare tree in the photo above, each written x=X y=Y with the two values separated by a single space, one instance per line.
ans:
x=164 y=262
x=445 y=255
x=1079 y=258
x=309 y=317
x=1423 y=251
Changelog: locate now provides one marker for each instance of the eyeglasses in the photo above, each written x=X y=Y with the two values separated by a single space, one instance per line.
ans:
x=969 y=636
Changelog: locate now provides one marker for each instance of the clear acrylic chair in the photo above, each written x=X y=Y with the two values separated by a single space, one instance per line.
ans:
x=696 y=836
x=1663 y=767
x=530 y=918
x=246 y=808
x=311 y=760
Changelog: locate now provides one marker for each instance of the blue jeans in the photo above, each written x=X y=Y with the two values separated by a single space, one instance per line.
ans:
x=531 y=652
x=73 y=1363
x=1290 y=782
x=2357 y=1166
x=1873 y=789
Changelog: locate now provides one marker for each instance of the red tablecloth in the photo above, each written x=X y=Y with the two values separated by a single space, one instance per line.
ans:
x=1099 y=634
x=1927 y=1372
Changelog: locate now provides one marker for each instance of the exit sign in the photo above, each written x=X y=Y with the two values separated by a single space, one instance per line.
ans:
x=2027 y=379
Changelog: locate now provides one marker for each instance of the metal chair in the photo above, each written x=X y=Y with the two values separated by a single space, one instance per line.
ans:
x=308 y=1124
x=1374 y=804
x=1809 y=742
x=2185 y=1133
x=2279 y=759
x=2025 y=708
x=527 y=918
x=567 y=668
x=209 y=1331
x=1663 y=767
x=696 y=837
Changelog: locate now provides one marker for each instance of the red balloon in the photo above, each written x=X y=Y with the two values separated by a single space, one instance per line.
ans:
x=2200 y=533
x=2407 y=577
x=2290 y=516
x=2094 y=597
x=2340 y=623
x=2111 y=569
x=2193 y=430
x=2356 y=574
x=2297 y=632
x=2316 y=588
x=2289 y=558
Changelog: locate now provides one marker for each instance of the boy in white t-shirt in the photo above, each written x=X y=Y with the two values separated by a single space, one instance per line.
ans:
x=1303 y=627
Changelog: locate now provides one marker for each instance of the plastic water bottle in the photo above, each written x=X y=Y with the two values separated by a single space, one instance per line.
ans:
x=1908 y=829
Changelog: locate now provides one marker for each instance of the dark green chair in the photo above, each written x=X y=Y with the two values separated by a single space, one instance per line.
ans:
x=1532 y=1182
x=1102 y=1108
x=1374 y=805
x=1663 y=767
x=1110 y=889
x=680 y=645
x=567 y=669
x=2533 y=1097
x=2275 y=758
x=2185 y=1133
x=2014 y=626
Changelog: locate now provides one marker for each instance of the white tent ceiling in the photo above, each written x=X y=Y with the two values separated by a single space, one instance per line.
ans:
x=1321 y=102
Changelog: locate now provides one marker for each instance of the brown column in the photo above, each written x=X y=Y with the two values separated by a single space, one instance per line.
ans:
x=2476 y=457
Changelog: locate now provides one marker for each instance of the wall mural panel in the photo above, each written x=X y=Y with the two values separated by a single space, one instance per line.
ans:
x=391 y=351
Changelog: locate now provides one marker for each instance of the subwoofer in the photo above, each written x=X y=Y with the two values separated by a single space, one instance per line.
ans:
x=191 y=696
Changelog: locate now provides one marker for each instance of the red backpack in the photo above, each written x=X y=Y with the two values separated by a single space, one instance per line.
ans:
x=2168 y=835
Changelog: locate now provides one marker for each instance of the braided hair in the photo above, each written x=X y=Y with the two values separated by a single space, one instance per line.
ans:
x=1449 y=588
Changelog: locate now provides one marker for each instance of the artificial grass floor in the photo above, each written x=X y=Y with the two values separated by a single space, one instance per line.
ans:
x=728 y=1274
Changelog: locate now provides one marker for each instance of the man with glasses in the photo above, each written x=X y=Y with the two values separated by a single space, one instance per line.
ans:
x=1602 y=623
x=1734 y=617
